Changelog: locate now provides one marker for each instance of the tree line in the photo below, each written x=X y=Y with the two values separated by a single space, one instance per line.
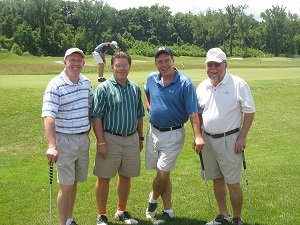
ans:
x=49 y=27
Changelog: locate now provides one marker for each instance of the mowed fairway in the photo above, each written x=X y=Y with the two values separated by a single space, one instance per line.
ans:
x=272 y=152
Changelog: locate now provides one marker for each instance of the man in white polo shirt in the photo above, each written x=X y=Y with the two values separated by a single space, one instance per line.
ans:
x=66 y=109
x=226 y=114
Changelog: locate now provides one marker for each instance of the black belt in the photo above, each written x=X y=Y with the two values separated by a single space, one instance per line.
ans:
x=81 y=133
x=223 y=134
x=164 y=129
x=122 y=135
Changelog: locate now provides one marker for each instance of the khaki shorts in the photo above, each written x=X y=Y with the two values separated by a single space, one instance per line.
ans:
x=123 y=157
x=163 y=148
x=220 y=160
x=73 y=158
x=97 y=57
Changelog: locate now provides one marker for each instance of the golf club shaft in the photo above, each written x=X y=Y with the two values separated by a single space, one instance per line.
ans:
x=208 y=195
x=247 y=185
x=50 y=180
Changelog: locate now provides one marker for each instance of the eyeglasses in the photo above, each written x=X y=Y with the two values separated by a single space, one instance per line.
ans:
x=75 y=61
x=118 y=66
x=210 y=64
x=161 y=62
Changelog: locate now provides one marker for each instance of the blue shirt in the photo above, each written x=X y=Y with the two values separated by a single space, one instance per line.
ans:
x=119 y=107
x=172 y=104
x=103 y=47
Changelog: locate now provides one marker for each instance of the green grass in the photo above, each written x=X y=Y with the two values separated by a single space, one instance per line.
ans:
x=272 y=152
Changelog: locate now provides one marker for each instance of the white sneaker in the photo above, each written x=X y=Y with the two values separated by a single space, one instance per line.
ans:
x=220 y=219
x=164 y=218
x=151 y=209
x=126 y=218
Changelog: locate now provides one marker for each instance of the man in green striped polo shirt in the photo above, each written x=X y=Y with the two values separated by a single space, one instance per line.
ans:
x=117 y=116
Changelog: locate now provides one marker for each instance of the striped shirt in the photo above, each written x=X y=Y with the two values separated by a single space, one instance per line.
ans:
x=68 y=103
x=118 y=106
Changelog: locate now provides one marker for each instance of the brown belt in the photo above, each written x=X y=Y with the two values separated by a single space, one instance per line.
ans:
x=122 y=135
x=81 y=133
x=223 y=134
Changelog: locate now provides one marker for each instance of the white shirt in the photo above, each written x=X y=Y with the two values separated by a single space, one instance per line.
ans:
x=222 y=107
x=68 y=103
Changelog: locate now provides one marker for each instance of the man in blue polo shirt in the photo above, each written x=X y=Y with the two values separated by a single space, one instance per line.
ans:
x=171 y=100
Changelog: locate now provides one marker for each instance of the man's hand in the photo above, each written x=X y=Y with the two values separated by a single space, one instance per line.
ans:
x=101 y=149
x=198 y=144
x=52 y=155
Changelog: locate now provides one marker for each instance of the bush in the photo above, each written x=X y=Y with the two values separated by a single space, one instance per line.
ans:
x=16 y=49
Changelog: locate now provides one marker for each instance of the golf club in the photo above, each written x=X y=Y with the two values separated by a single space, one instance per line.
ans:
x=50 y=180
x=247 y=185
x=208 y=195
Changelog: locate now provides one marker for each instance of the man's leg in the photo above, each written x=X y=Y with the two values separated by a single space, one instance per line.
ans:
x=102 y=190
x=73 y=198
x=162 y=186
x=65 y=202
x=101 y=72
x=166 y=195
x=236 y=198
x=123 y=189
x=220 y=194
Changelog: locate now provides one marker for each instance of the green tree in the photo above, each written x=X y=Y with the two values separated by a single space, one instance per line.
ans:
x=274 y=23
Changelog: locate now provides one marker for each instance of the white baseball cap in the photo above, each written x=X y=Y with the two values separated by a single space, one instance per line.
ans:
x=70 y=51
x=115 y=44
x=215 y=55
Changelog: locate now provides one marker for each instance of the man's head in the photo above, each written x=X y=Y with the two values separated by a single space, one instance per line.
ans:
x=215 y=55
x=164 y=61
x=114 y=44
x=216 y=65
x=120 y=64
x=74 y=61
x=70 y=51
x=163 y=50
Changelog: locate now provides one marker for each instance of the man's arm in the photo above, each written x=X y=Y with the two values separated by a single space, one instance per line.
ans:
x=198 y=140
x=241 y=141
x=51 y=153
x=140 y=132
x=147 y=101
x=98 y=130
x=103 y=57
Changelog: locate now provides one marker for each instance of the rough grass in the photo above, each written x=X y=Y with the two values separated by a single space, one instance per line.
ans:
x=272 y=156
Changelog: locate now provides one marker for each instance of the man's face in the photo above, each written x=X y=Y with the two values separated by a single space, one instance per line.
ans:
x=216 y=71
x=120 y=68
x=164 y=63
x=74 y=63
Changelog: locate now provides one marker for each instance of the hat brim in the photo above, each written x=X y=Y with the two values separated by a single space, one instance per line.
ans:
x=214 y=59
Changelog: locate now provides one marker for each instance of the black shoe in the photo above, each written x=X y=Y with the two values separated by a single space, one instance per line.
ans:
x=220 y=219
x=238 y=221
x=101 y=79
x=126 y=218
x=102 y=220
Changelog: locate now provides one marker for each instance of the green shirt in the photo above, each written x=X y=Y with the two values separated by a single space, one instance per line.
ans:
x=119 y=107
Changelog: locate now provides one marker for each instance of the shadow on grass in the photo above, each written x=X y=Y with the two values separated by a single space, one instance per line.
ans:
x=175 y=221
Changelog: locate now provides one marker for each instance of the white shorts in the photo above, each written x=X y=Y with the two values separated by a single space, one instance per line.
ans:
x=163 y=148
x=220 y=160
x=97 y=57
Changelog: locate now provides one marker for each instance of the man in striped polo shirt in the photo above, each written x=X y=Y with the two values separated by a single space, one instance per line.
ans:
x=66 y=109
x=117 y=116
